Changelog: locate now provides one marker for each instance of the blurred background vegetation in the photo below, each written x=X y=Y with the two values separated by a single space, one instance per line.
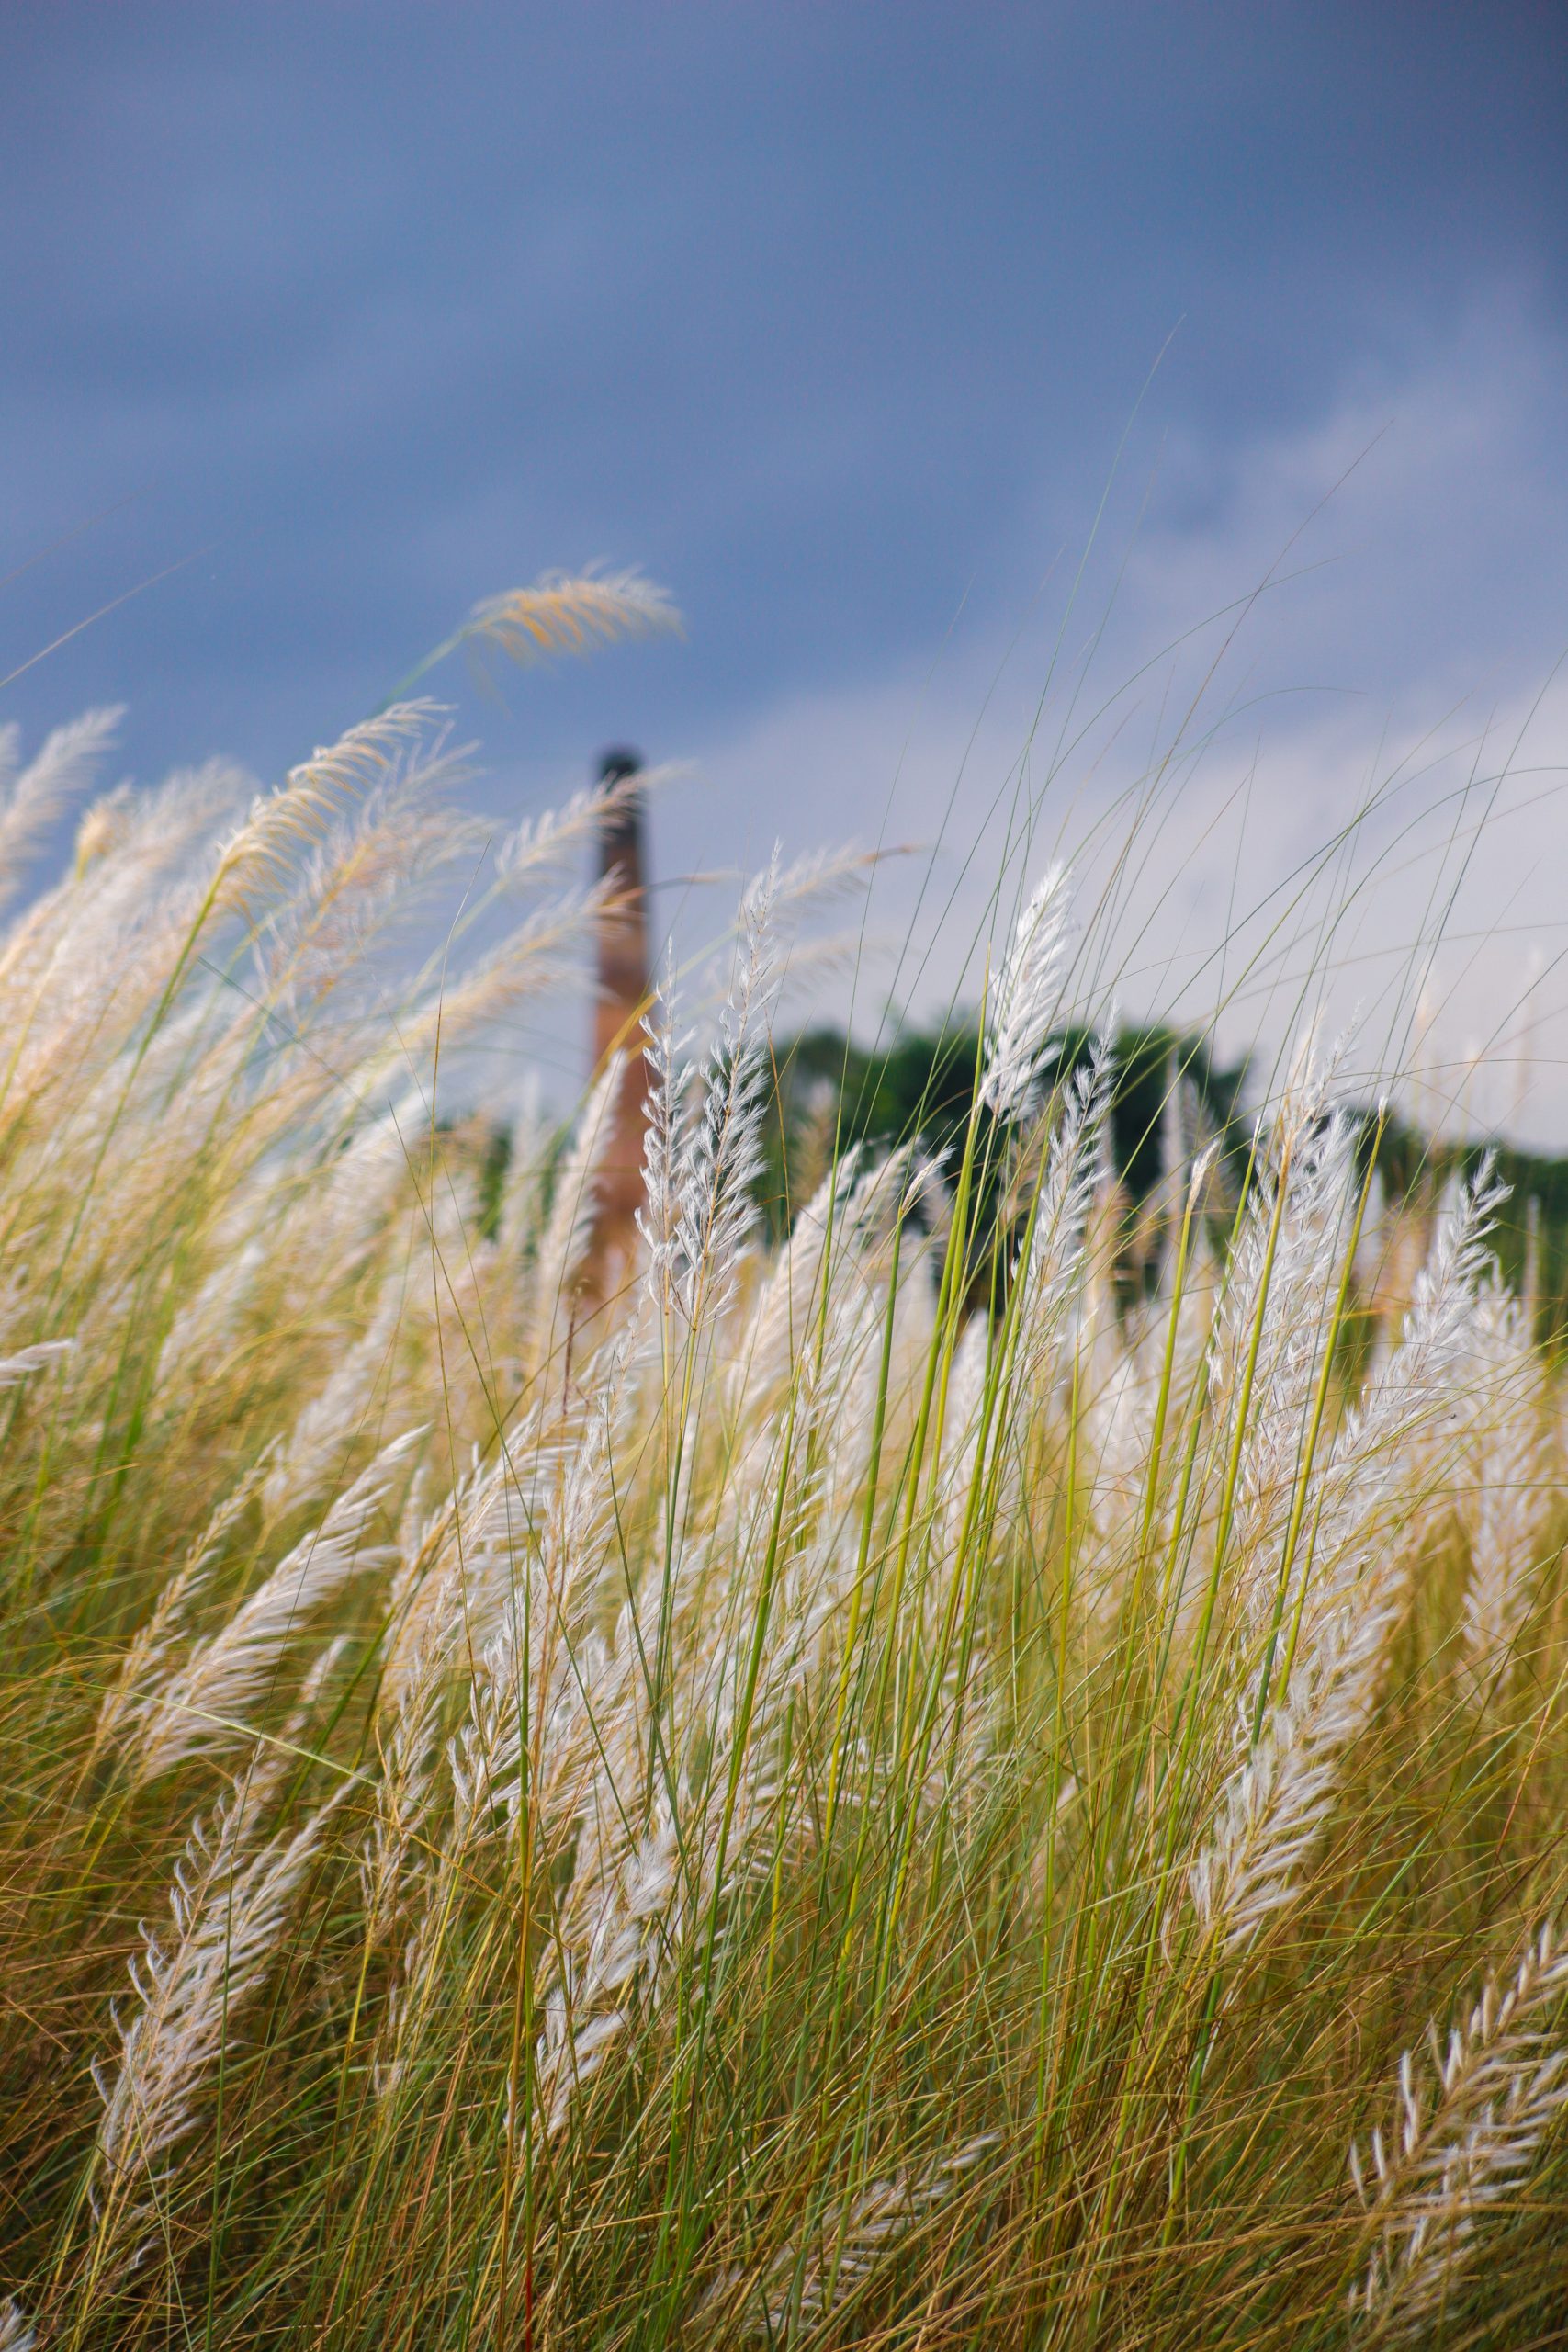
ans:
x=1171 y=1099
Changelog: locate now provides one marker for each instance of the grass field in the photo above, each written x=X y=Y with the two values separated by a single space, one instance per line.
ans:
x=880 y=1790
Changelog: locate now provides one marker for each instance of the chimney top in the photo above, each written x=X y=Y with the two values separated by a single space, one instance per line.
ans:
x=615 y=765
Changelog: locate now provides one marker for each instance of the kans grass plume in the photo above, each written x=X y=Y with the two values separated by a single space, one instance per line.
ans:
x=893 y=1786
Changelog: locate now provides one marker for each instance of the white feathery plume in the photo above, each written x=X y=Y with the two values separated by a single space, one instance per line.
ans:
x=565 y=614
x=1051 y=1273
x=199 y=1709
x=25 y=1362
x=966 y=1396
x=788 y=1301
x=1120 y=1369
x=447 y=1586
x=1274 y=1319
x=1510 y=1497
x=228 y=1907
x=639 y=1889
x=802 y=2285
x=1279 y=1791
x=515 y=1549
x=148 y=1654
x=569 y=1229
x=540 y=844
x=1027 y=1002
x=1467 y=2135
x=368 y=873
x=537 y=955
x=962 y=1465
x=823 y=872
x=553 y=1543
x=283 y=825
x=884 y=1196
x=156 y=836
x=531 y=1157
x=17 y=2333
x=590 y=2006
x=440 y=1605
x=87 y=955
x=451 y=1614
x=700 y=1156
x=403 y=1791
x=664 y=1145
x=1414 y=1400
x=1046 y=1280
x=321 y=1670
x=722 y=1151
x=30 y=802
x=365 y=1179
x=328 y=1427
x=897 y=1200
x=841 y=1370
x=102 y=829
x=1119 y=1395
x=209 y=1319
x=1279 y=1796
x=648 y=1869
x=539 y=1668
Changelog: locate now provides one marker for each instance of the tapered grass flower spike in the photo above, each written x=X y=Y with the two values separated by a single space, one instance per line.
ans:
x=32 y=799
x=1027 y=1000
x=722 y=1151
x=22 y=1364
x=1507 y=1503
x=1290 y=1749
x=803 y=2286
x=285 y=825
x=665 y=1148
x=17 y=2331
x=200 y=1708
x=564 y=612
x=229 y=1905
x=1470 y=2125
x=1060 y=1217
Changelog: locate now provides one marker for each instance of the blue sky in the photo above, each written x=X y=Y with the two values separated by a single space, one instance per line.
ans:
x=842 y=322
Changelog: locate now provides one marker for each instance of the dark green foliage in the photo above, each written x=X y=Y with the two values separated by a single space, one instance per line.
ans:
x=1146 y=1063
x=831 y=1093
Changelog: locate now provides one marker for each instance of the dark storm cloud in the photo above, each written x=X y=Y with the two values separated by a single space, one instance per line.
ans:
x=834 y=318
x=392 y=306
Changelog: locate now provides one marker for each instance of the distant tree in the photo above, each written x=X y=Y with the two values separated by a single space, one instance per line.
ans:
x=1170 y=1095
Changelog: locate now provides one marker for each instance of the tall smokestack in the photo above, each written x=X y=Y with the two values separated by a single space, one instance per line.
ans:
x=623 y=998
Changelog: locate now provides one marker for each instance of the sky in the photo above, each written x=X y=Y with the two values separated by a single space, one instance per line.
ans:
x=1036 y=412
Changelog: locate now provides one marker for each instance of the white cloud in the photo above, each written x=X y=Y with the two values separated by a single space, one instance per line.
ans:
x=1393 y=686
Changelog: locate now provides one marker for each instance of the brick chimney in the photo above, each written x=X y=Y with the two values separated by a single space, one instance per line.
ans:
x=623 y=997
